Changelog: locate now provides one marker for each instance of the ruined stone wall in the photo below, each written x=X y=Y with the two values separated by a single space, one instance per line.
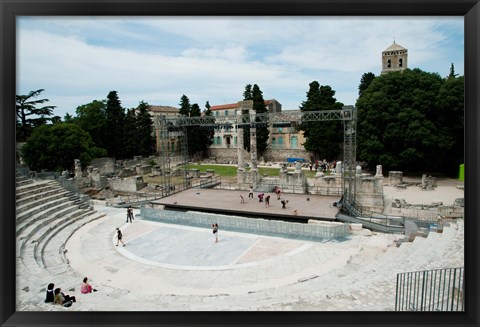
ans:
x=230 y=155
x=369 y=193
x=130 y=184
x=433 y=211
x=105 y=165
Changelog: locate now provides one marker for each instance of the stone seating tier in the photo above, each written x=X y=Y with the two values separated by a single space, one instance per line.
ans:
x=36 y=230
x=39 y=202
x=44 y=225
x=34 y=187
x=56 y=209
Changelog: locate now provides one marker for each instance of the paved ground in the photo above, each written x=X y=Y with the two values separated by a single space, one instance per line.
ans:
x=166 y=267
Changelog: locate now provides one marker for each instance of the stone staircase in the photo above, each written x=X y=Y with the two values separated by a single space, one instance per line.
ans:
x=46 y=217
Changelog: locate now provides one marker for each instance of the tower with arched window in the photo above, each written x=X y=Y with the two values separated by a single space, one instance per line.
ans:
x=394 y=58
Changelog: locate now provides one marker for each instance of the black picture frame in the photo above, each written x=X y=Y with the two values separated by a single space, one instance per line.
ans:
x=9 y=9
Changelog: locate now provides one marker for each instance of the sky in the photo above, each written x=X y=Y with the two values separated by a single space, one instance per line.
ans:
x=159 y=59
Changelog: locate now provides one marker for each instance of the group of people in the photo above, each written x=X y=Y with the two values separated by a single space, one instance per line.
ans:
x=324 y=165
x=261 y=197
x=56 y=296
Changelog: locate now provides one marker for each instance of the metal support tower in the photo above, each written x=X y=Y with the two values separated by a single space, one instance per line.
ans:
x=161 y=129
x=184 y=150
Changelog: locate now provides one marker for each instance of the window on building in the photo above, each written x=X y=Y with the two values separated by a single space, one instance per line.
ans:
x=219 y=140
x=280 y=140
x=226 y=112
x=294 y=144
x=279 y=129
x=400 y=62
x=235 y=140
x=389 y=63
x=216 y=113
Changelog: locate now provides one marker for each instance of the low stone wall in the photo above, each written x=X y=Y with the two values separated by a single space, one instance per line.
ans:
x=369 y=193
x=130 y=184
x=104 y=165
x=312 y=232
x=277 y=155
x=434 y=211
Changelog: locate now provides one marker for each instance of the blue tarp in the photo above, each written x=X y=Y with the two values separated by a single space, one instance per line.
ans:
x=295 y=159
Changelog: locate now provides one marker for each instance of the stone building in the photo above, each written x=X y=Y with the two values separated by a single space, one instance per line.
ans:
x=174 y=142
x=394 y=58
x=283 y=142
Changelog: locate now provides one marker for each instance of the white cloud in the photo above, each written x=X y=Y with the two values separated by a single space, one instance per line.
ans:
x=159 y=59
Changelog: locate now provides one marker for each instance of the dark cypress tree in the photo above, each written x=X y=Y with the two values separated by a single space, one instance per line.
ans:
x=262 y=129
x=130 y=147
x=145 y=133
x=115 y=115
x=184 y=106
x=207 y=111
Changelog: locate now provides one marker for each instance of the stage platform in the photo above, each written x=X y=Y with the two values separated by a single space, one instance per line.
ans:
x=228 y=202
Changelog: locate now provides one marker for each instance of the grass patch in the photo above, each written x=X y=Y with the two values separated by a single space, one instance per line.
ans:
x=229 y=171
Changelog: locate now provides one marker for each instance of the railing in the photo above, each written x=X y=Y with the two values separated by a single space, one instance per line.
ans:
x=356 y=210
x=431 y=290
x=268 y=227
x=136 y=198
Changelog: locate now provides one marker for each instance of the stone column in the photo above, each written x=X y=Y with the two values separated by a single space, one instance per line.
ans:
x=379 y=172
x=78 y=169
x=240 y=151
x=253 y=142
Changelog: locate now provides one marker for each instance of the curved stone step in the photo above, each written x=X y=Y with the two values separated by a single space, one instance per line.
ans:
x=31 y=254
x=36 y=231
x=52 y=251
x=55 y=209
x=37 y=200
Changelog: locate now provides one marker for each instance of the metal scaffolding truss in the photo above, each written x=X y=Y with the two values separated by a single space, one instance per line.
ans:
x=175 y=123
x=171 y=127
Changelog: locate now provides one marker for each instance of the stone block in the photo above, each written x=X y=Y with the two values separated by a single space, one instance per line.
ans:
x=395 y=177
x=354 y=226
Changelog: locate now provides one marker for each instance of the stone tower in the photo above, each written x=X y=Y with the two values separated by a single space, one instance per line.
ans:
x=394 y=58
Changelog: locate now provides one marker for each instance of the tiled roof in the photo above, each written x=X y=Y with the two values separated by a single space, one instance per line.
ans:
x=233 y=105
x=225 y=106
x=164 y=109
x=394 y=47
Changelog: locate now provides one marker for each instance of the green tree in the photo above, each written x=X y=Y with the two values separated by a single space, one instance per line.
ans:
x=365 y=82
x=28 y=115
x=450 y=120
x=55 y=147
x=130 y=147
x=198 y=138
x=262 y=128
x=409 y=121
x=184 y=106
x=144 y=130
x=207 y=110
x=323 y=138
x=452 y=72
x=247 y=95
x=115 y=116
x=92 y=118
